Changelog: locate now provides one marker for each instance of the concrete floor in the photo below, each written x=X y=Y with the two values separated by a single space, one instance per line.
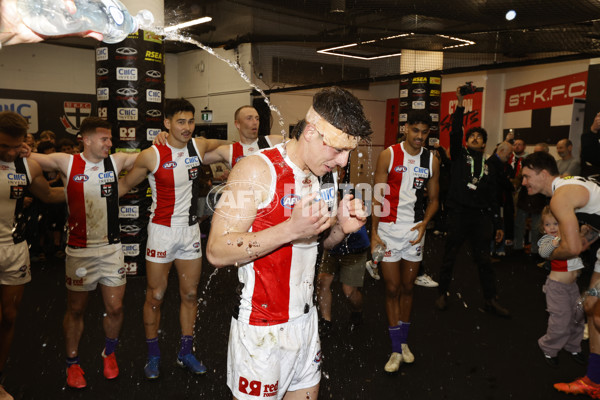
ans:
x=461 y=353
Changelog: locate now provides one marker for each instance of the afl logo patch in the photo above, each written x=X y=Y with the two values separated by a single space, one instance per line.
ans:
x=289 y=200
x=80 y=178
x=169 y=165
x=401 y=169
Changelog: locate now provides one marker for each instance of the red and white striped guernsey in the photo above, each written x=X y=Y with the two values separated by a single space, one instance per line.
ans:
x=93 y=202
x=238 y=150
x=407 y=178
x=278 y=287
x=175 y=185
x=14 y=179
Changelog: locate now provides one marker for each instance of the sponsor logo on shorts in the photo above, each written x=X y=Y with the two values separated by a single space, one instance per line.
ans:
x=257 y=388
x=156 y=254
x=121 y=270
x=74 y=282
x=196 y=245
x=318 y=357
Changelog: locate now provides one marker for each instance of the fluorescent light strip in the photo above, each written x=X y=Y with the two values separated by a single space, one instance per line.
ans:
x=189 y=23
x=330 y=50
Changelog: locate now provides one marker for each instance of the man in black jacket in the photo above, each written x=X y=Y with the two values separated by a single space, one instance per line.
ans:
x=590 y=149
x=473 y=210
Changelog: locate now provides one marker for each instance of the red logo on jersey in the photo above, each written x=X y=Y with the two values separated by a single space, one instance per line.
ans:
x=169 y=165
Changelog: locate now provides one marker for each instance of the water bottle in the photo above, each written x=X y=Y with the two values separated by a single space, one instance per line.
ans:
x=378 y=253
x=108 y=17
x=594 y=292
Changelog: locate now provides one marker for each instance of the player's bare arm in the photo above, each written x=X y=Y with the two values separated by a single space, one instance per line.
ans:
x=41 y=188
x=230 y=243
x=144 y=163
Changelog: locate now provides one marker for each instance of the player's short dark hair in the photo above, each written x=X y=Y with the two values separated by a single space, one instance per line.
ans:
x=541 y=160
x=237 y=112
x=343 y=110
x=174 y=106
x=90 y=124
x=45 y=145
x=13 y=124
x=419 y=116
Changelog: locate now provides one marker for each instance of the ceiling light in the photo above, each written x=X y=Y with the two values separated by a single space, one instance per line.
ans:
x=189 y=23
x=511 y=14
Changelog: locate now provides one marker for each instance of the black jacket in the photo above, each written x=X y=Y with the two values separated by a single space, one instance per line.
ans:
x=590 y=153
x=461 y=198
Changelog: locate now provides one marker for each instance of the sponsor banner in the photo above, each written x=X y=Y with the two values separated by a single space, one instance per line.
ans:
x=132 y=72
x=545 y=94
x=61 y=113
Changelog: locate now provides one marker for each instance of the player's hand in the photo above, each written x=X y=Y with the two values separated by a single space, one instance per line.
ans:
x=14 y=31
x=25 y=150
x=309 y=217
x=351 y=214
x=376 y=240
x=421 y=226
x=161 y=138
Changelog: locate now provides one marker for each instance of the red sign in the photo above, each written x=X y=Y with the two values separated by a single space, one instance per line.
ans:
x=551 y=93
x=472 y=118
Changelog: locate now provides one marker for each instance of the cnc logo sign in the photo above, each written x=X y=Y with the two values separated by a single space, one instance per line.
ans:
x=551 y=93
x=153 y=96
x=151 y=133
x=75 y=113
x=127 y=114
x=102 y=54
x=127 y=74
x=418 y=105
x=28 y=109
x=102 y=94
x=129 y=212
x=131 y=250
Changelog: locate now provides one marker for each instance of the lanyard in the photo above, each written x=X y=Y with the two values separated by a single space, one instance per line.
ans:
x=472 y=162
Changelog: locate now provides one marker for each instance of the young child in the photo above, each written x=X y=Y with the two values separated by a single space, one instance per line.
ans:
x=566 y=320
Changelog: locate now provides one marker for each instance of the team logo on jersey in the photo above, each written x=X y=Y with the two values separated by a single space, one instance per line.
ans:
x=16 y=192
x=80 y=178
x=107 y=190
x=418 y=183
x=401 y=169
x=289 y=200
x=169 y=165
x=192 y=173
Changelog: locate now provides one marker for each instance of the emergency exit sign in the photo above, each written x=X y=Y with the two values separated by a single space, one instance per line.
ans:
x=206 y=115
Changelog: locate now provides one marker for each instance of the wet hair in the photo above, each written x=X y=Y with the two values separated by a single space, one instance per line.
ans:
x=13 y=124
x=343 y=110
x=545 y=212
x=90 y=124
x=479 y=130
x=45 y=145
x=237 y=112
x=541 y=160
x=174 y=106
x=298 y=129
x=419 y=116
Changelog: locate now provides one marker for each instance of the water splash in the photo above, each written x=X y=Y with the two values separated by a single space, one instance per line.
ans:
x=176 y=36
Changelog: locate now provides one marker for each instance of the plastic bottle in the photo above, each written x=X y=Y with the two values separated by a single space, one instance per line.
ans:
x=108 y=17
x=594 y=292
x=372 y=265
